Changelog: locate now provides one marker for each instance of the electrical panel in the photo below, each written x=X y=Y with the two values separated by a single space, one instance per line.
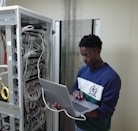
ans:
x=26 y=44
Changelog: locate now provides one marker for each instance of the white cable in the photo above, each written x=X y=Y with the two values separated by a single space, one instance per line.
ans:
x=30 y=52
x=33 y=94
x=27 y=28
x=83 y=118
x=3 y=73
x=38 y=62
x=3 y=66
x=30 y=28
x=26 y=56
x=36 y=47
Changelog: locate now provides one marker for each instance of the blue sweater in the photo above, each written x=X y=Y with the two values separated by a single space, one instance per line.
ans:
x=108 y=81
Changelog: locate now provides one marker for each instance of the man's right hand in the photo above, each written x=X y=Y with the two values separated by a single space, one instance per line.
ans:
x=78 y=95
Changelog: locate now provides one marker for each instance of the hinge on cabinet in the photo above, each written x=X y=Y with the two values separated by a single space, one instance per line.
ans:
x=53 y=32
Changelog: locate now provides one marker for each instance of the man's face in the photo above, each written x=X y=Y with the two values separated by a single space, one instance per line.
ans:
x=90 y=55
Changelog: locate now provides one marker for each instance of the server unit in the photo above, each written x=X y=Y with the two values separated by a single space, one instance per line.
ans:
x=27 y=42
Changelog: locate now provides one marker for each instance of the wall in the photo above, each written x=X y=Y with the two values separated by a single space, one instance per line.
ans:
x=51 y=8
x=119 y=34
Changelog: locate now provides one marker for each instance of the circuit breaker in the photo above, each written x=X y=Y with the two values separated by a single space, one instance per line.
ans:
x=26 y=40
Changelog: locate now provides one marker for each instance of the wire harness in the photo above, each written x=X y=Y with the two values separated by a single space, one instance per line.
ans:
x=35 y=45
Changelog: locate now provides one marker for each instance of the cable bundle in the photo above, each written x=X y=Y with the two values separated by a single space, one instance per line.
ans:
x=35 y=47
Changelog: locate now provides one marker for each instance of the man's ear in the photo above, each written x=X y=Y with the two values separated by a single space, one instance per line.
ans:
x=98 y=51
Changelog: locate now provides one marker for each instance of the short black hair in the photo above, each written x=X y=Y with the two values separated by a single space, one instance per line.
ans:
x=91 y=41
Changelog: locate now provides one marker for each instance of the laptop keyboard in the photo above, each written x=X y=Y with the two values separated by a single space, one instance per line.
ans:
x=79 y=107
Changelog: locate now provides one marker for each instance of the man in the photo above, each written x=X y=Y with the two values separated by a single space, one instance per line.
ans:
x=101 y=85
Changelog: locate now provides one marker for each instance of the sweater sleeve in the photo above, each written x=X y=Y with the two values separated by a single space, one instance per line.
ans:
x=109 y=98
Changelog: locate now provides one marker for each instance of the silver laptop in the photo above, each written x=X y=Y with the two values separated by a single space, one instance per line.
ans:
x=59 y=93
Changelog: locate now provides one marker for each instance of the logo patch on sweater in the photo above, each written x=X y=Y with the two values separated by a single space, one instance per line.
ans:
x=92 y=89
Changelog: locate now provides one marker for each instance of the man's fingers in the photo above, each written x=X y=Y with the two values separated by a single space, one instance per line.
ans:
x=57 y=106
x=78 y=94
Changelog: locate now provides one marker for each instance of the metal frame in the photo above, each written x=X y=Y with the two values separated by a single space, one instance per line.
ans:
x=9 y=17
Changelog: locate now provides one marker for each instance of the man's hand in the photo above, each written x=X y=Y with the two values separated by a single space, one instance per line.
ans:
x=57 y=106
x=78 y=95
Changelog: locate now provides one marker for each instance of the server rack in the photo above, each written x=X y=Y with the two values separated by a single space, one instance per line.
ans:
x=24 y=31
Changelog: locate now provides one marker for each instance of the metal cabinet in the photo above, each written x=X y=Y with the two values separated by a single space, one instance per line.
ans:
x=27 y=35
